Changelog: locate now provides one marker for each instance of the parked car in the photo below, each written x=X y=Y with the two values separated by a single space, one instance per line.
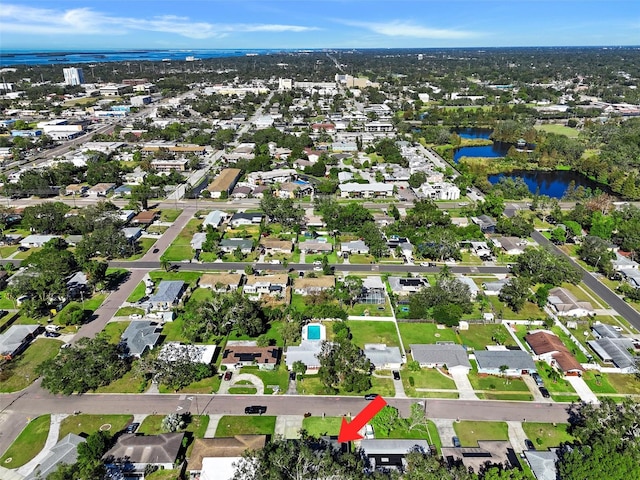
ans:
x=22 y=248
x=156 y=250
x=317 y=262
x=51 y=334
x=545 y=393
x=132 y=427
x=227 y=375
x=259 y=409
x=456 y=442
x=371 y=396
x=529 y=444
x=538 y=379
x=396 y=375
x=292 y=376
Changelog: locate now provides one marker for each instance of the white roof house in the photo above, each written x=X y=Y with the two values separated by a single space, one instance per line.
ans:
x=565 y=304
x=468 y=281
x=452 y=355
x=382 y=356
x=214 y=218
x=36 y=240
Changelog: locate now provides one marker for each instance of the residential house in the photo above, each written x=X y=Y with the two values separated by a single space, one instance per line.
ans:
x=511 y=245
x=548 y=347
x=122 y=191
x=315 y=246
x=439 y=191
x=470 y=283
x=132 y=233
x=241 y=192
x=146 y=217
x=101 y=189
x=238 y=356
x=273 y=176
x=230 y=245
x=565 y=304
x=622 y=263
x=173 y=351
x=543 y=463
x=354 y=246
x=139 y=336
x=310 y=286
x=77 y=284
x=224 y=182
x=313 y=335
x=439 y=355
x=214 y=458
x=632 y=276
x=170 y=165
x=260 y=190
x=494 y=288
x=169 y=294
x=36 y=241
x=246 y=218
x=294 y=189
x=365 y=190
x=266 y=285
x=134 y=178
x=486 y=223
x=385 y=454
x=75 y=189
x=613 y=348
x=382 y=356
x=126 y=215
x=16 y=339
x=221 y=282
x=488 y=452
x=274 y=246
x=134 y=453
x=373 y=291
x=197 y=240
x=403 y=286
x=491 y=361
x=214 y=218
x=64 y=451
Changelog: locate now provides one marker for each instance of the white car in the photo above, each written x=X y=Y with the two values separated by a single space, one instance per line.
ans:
x=317 y=269
x=135 y=316
x=317 y=262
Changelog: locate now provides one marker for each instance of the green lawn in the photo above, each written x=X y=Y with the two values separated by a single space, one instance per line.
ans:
x=364 y=331
x=558 y=129
x=357 y=258
x=21 y=371
x=88 y=424
x=362 y=309
x=547 y=435
x=137 y=294
x=188 y=277
x=313 y=257
x=318 y=426
x=144 y=244
x=126 y=311
x=560 y=386
x=151 y=425
x=6 y=303
x=169 y=214
x=470 y=432
x=181 y=249
x=128 y=383
x=28 y=444
x=529 y=310
x=431 y=435
x=425 y=333
x=245 y=425
x=242 y=390
x=498 y=384
x=311 y=385
x=271 y=378
x=113 y=331
x=426 y=378
x=164 y=475
x=598 y=382
x=479 y=336
x=627 y=384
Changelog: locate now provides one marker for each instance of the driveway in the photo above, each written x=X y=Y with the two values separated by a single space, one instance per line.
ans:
x=579 y=385
x=533 y=388
x=517 y=436
x=254 y=379
x=465 y=390
x=445 y=430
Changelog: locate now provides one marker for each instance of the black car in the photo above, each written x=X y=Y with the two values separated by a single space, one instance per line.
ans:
x=51 y=334
x=538 y=379
x=371 y=396
x=132 y=427
x=260 y=409
x=292 y=376
x=396 y=375
x=456 y=442
x=529 y=444
x=156 y=250
x=545 y=393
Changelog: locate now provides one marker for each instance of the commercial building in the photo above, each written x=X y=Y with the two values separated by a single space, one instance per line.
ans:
x=224 y=182
x=73 y=76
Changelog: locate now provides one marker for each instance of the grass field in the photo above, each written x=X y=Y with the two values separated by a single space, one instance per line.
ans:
x=425 y=378
x=21 y=371
x=318 y=426
x=126 y=311
x=470 y=432
x=169 y=214
x=373 y=332
x=181 y=249
x=558 y=130
x=113 y=331
x=137 y=294
x=164 y=475
x=245 y=425
x=28 y=444
x=627 y=384
x=425 y=333
x=144 y=244
x=547 y=435
x=128 y=383
x=479 y=336
x=270 y=379
x=89 y=424
x=529 y=310
x=311 y=385
x=498 y=384
x=598 y=382
x=151 y=425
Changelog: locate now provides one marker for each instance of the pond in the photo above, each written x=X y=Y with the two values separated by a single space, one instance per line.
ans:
x=497 y=150
x=551 y=183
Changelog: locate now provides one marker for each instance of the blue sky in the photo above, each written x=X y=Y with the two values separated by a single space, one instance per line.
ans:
x=236 y=24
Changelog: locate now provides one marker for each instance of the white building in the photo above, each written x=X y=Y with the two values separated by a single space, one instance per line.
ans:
x=73 y=76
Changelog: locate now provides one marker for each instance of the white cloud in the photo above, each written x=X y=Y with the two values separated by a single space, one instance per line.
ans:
x=399 y=28
x=85 y=21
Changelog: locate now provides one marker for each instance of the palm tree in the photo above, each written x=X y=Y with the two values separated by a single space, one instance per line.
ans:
x=165 y=264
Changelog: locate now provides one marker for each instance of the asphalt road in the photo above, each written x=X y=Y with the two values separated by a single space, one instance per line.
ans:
x=614 y=301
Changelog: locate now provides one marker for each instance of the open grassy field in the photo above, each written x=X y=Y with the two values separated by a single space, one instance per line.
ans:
x=28 y=444
x=479 y=336
x=151 y=425
x=169 y=214
x=622 y=383
x=547 y=435
x=470 y=432
x=558 y=130
x=318 y=426
x=21 y=371
x=311 y=385
x=270 y=379
x=230 y=425
x=113 y=331
x=373 y=332
x=89 y=424
x=425 y=333
x=425 y=378
x=181 y=249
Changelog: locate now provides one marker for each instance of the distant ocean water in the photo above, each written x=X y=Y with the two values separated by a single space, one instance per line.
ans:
x=44 y=57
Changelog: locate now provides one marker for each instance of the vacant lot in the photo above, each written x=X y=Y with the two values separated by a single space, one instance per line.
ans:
x=425 y=333
x=21 y=371
x=152 y=425
x=245 y=425
x=547 y=435
x=28 y=444
x=470 y=432
x=373 y=332
x=88 y=424
x=317 y=426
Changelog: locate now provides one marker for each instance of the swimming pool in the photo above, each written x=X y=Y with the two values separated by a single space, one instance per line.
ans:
x=313 y=332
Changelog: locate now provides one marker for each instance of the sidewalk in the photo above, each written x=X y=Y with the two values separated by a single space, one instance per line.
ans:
x=52 y=439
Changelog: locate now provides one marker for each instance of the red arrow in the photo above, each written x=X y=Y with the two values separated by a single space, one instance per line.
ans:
x=349 y=431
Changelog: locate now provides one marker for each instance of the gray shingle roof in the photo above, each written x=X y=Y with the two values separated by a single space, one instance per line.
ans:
x=168 y=291
x=13 y=338
x=543 y=463
x=141 y=335
x=514 y=359
x=450 y=354
x=65 y=451
x=381 y=354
